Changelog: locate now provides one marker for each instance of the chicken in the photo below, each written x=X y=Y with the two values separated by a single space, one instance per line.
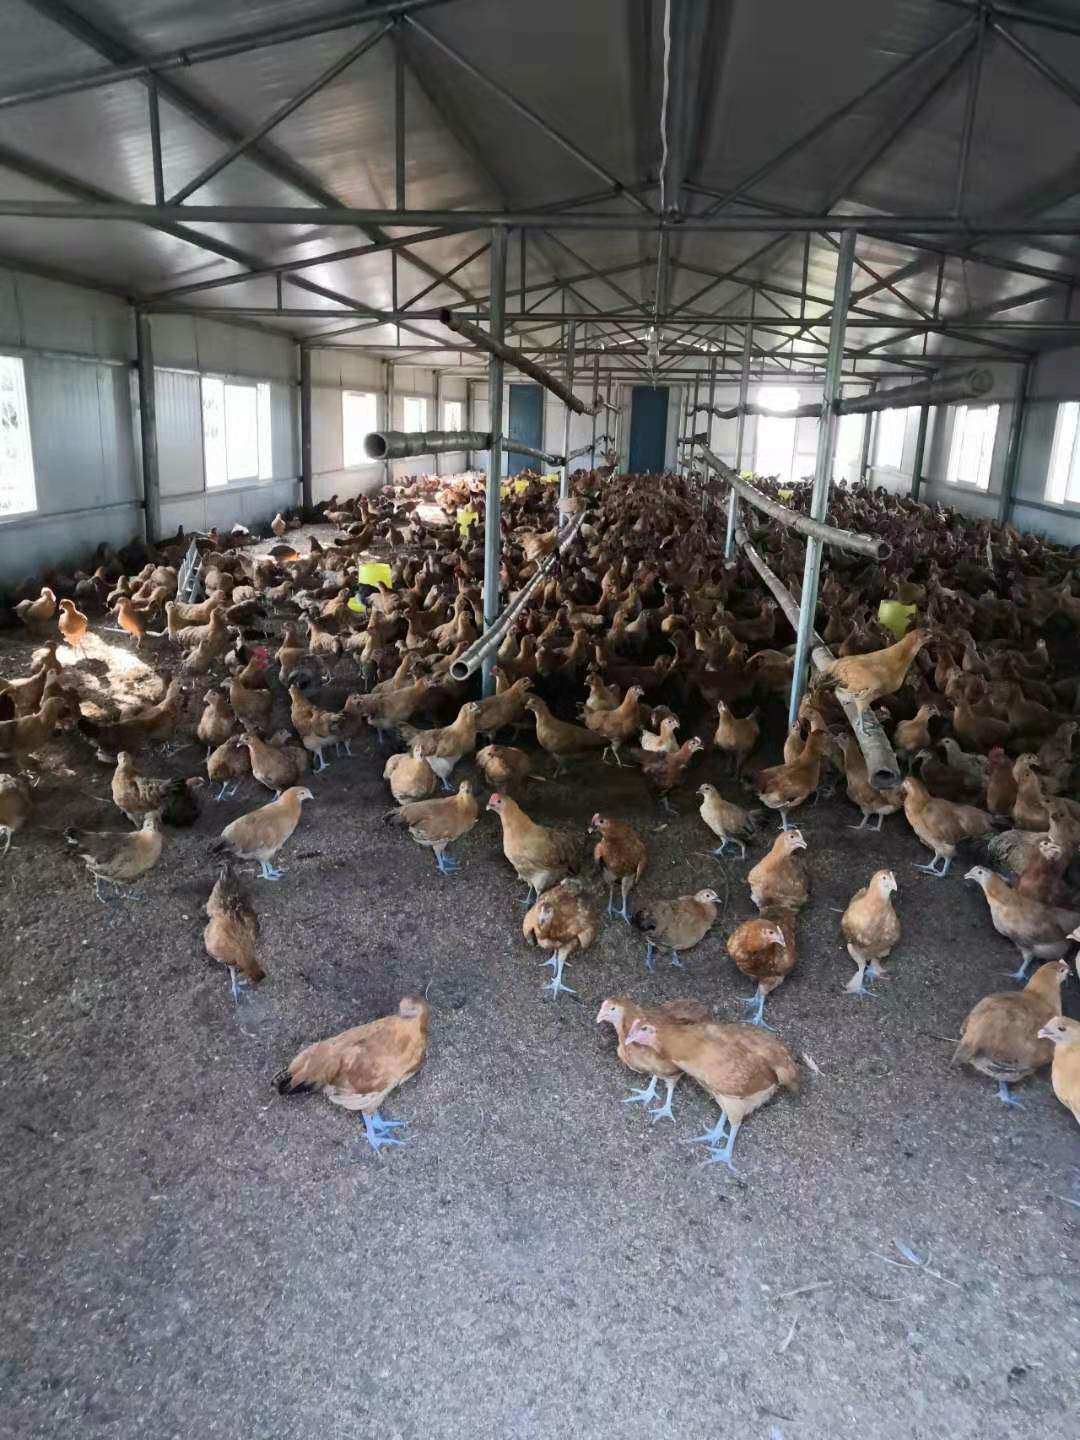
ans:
x=317 y=728
x=15 y=807
x=504 y=767
x=763 y=949
x=560 y=921
x=360 y=1067
x=72 y=624
x=217 y=722
x=438 y=823
x=20 y=738
x=232 y=931
x=663 y=742
x=503 y=709
x=734 y=736
x=1038 y=931
x=941 y=825
x=1014 y=848
x=729 y=822
x=620 y=1012
x=389 y=709
x=978 y=731
x=621 y=854
x=676 y=925
x=778 y=881
x=1042 y=878
x=1000 y=783
x=27 y=694
x=562 y=740
x=137 y=796
x=1064 y=1035
x=541 y=856
x=442 y=749
x=740 y=1066
x=227 y=766
x=277 y=525
x=785 y=787
x=261 y=833
x=275 y=763
x=130 y=620
x=252 y=707
x=1000 y=1037
x=864 y=679
x=156 y=723
x=36 y=613
x=913 y=735
x=118 y=856
x=871 y=928
x=860 y=792
x=617 y=725
x=1029 y=811
x=664 y=772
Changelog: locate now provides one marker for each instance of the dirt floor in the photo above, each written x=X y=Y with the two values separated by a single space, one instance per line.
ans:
x=186 y=1254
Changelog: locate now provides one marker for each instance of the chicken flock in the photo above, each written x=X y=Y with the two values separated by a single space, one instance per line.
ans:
x=632 y=641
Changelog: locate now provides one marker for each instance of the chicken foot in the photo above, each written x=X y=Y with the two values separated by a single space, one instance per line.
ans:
x=650 y=952
x=226 y=792
x=730 y=840
x=932 y=869
x=864 y=823
x=269 y=872
x=446 y=864
x=376 y=1131
x=1020 y=973
x=642 y=1097
x=555 y=984
x=119 y=893
x=665 y=1111
x=757 y=1002
x=718 y=1156
x=237 y=985
x=624 y=913
x=1005 y=1095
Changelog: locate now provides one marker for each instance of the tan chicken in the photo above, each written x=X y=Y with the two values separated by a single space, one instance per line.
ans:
x=130 y=620
x=387 y=710
x=318 y=729
x=1014 y=848
x=1000 y=1037
x=728 y=822
x=665 y=772
x=251 y=706
x=137 y=796
x=15 y=807
x=871 y=928
x=785 y=787
x=359 y=1068
x=663 y=742
x=763 y=949
x=27 y=694
x=561 y=921
x=621 y=854
x=978 y=731
x=619 y=725
x=872 y=802
x=734 y=736
x=261 y=833
x=504 y=767
x=562 y=740
x=620 y=1012
x=275 y=763
x=442 y=749
x=778 y=882
x=540 y=855
x=1064 y=1035
x=1039 y=932
x=911 y=736
x=156 y=724
x=277 y=525
x=20 y=738
x=941 y=825
x=740 y=1066
x=410 y=777
x=676 y=925
x=1030 y=810
x=232 y=931
x=864 y=679
x=118 y=857
x=1043 y=877
x=217 y=722
x=1000 y=783
x=503 y=709
x=438 y=823
x=39 y=612
x=72 y=624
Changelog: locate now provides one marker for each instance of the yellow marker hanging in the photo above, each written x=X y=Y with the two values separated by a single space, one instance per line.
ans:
x=466 y=517
x=521 y=486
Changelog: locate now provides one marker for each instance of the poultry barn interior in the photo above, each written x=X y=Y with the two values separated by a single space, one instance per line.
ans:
x=539 y=684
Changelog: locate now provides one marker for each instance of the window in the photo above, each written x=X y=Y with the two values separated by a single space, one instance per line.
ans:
x=453 y=415
x=774 y=450
x=889 y=439
x=17 y=492
x=972 y=447
x=359 y=417
x=413 y=414
x=237 y=440
x=1063 y=477
x=849 y=440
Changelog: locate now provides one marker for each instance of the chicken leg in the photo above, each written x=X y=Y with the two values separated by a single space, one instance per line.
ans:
x=665 y=1110
x=376 y=1128
x=757 y=1003
x=446 y=864
x=555 y=984
x=1005 y=1095
x=730 y=840
x=718 y=1156
x=1020 y=973
x=269 y=872
x=642 y=1097
x=932 y=869
x=713 y=1136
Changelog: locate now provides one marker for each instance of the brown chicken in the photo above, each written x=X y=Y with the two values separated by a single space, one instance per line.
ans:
x=665 y=772
x=438 y=823
x=217 y=722
x=863 y=679
x=442 y=749
x=763 y=950
x=131 y=620
x=504 y=767
x=15 y=807
x=1030 y=810
x=36 y=613
x=561 y=921
x=1000 y=783
x=913 y=735
x=155 y=724
x=941 y=825
x=729 y=823
x=778 y=882
x=1064 y=1035
x=20 y=738
x=785 y=787
x=871 y=928
x=562 y=740
x=618 y=725
x=977 y=731
x=260 y=834
x=872 y=802
x=232 y=931
x=1000 y=1037
x=504 y=709
x=137 y=796
x=740 y=1066
x=360 y=1067
x=275 y=763
x=410 y=777
x=251 y=706
x=734 y=736
x=621 y=854
x=676 y=925
x=118 y=857
x=1039 y=932
x=540 y=855
x=72 y=624
x=1043 y=877
x=318 y=729
x=620 y=1012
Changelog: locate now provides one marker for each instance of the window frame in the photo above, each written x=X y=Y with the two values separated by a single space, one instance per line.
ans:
x=879 y=462
x=459 y=428
x=425 y=401
x=263 y=427
x=348 y=460
x=22 y=393
x=1072 y=473
x=959 y=417
x=763 y=395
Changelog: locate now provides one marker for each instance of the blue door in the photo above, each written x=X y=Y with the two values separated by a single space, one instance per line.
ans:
x=648 y=429
x=526 y=424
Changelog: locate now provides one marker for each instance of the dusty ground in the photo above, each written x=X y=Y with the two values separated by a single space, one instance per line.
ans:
x=186 y=1254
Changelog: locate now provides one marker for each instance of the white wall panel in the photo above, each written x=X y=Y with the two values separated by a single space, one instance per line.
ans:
x=179 y=432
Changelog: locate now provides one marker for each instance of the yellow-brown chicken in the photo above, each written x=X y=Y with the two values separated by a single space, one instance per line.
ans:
x=1029 y=810
x=261 y=833
x=72 y=624
x=251 y=706
x=438 y=823
x=664 y=740
x=778 y=882
x=763 y=949
x=20 y=738
x=540 y=855
x=36 y=613
x=503 y=709
x=620 y=1012
x=913 y=735
x=217 y=722
x=561 y=921
x=155 y=724
x=871 y=801
x=863 y=679
x=562 y=740
x=1000 y=1037
x=360 y=1067
x=734 y=736
x=729 y=822
x=785 y=787
x=275 y=763
x=740 y=1066
x=442 y=749
x=665 y=772
x=1064 y=1035
x=622 y=856
x=941 y=825
x=15 y=807
x=871 y=928
x=410 y=777
x=504 y=767
x=676 y=925
x=131 y=620
x=1039 y=932
x=118 y=857
x=619 y=725
x=232 y=931
x=318 y=729
x=138 y=795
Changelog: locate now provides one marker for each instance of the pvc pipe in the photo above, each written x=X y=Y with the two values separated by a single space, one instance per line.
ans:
x=881 y=768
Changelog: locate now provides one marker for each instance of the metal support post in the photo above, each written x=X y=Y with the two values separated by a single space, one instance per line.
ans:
x=1016 y=439
x=868 y=430
x=690 y=429
x=437 y=377
x=920 y=451
x=492 y=499
x=708 y=426
x=596 y=397
x=564 y=478
x=740 y=431
x=819 y=503
x=307 y=497
x=388 y=401
x=148 y=428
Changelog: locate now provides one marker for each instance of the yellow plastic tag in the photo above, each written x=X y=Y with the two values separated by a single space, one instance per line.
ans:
x=784 y=494
x=372 y=571
x=896 y=616
x=466 y=517
x=521 y=486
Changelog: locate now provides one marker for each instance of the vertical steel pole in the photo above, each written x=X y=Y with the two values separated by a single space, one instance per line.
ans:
x=920 y=450
x=399 y=123
x=155 y=141
x=144 y=351
x=740 y=431
x=868 y=430
x=564 y=478
x=492 y=499
x=596 y=398
x=388 y=401
x=693 y=426
x=307 y=497
x=438 y=425
x=826 y=447
x=1016 y=440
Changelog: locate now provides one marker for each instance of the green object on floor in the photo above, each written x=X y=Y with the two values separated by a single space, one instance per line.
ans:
x=895 y=616
x=374 y=571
